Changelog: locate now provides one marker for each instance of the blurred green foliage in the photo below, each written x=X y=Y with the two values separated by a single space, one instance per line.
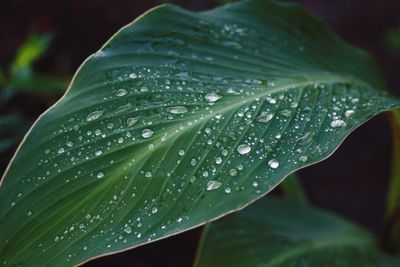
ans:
x=20 y=78
x=391 y=41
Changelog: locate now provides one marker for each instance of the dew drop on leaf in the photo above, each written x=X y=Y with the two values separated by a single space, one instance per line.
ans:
x=265 y=117
x=243 y=149
x=212 y=97
x=349 y=113
x=94 y=115
x=306 y=138
x=121 y=92
x=132 y=121
x=147 y=133
x=338 y=123
x=177 y=109
x=303 y=158
x=273 y=163
x=233 y=172
x=271 y=100
x=213 y=185
x=286 y=112
x=100 y=175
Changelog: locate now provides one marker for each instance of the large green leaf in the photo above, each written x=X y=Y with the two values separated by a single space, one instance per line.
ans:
x=179 y=119
x=277 y=232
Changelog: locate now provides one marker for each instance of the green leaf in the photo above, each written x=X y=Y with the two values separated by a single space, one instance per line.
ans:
x=392 y=231
x=393 y=200
x=277 y=232
x=32 y=49
x=180 y=119
x=38 y=84
x=292 y=188
x=391 y=41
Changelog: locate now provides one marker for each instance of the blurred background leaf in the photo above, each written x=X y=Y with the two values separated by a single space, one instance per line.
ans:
x=392 y=41
x=392 y=230
x=33 y=48
x=280 y=232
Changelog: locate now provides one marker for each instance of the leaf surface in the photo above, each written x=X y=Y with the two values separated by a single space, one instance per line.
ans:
x=178 y=119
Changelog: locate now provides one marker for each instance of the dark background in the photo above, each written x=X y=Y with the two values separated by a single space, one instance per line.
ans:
x=353 y=182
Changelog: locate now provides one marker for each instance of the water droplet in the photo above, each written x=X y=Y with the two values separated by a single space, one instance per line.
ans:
x=154 y=210
x=286 y=112
x=243 y=149
x=177 y=109
x=121 y=92
x=255 y=183
x=132 y=121
x=213 y=185
x=98 y=152
x=192 y=179
x=227 y=190
x=303 y=158
x=193 y=162
x=233 y=172
x=231 y=91
x=232 y=44
x=133 y=75
x=212 y=97
x=273 y=163
x=218 y=160
x=265 y=117
x=29 y=213
x=306 y=138
x=147 y=133
x=338 y=123
x=271 y=100
x=120 y=140
x=349 y=113
x=61 y=150
x=181 y=152
x=100 y=175
x=94 y=115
